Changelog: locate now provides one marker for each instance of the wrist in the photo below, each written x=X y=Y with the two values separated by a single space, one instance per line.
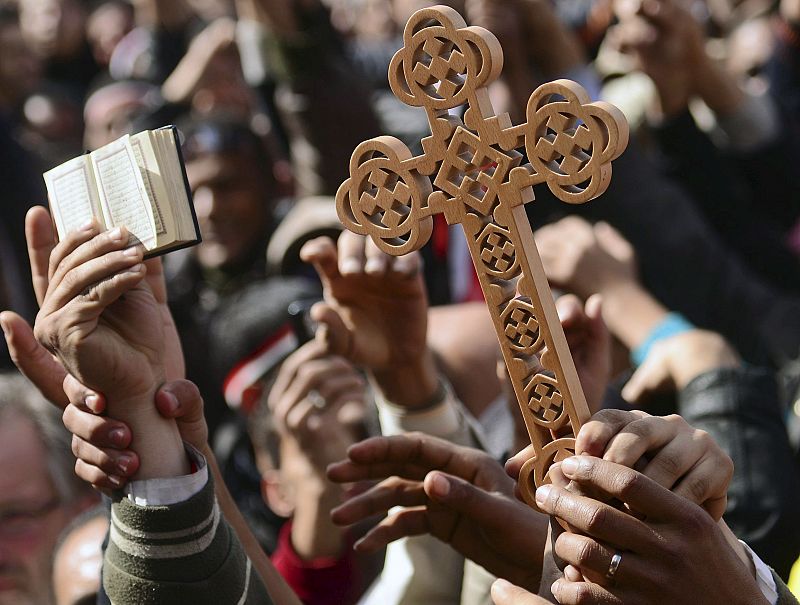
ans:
x=630 y=312
x=717 y=88
x=413 y=385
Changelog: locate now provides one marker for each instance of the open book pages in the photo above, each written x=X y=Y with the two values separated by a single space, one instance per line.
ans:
x=138 y=181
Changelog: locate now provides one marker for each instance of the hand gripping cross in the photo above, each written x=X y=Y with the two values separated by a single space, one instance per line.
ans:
x=471 y=172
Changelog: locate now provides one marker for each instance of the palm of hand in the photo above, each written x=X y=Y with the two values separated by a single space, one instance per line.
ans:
x=386 y=316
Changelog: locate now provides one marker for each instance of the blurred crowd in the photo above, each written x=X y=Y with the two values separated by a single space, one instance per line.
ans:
x=306 y=372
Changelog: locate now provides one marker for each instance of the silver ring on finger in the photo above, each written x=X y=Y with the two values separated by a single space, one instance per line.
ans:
x=614 y=566
x=316 y=399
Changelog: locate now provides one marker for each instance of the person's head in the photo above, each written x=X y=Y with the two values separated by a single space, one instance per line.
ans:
x=231 y=172
x=107 y=25
x=78 y=558
x=39 y=492
x=110 y=110
x=20 y=70
x=53 y=29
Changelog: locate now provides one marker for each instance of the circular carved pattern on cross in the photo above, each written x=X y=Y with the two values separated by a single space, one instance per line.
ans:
x=534 y=473
x=521 y=326
x=443 y=61
x=572 y=141
x=497 y=252
x=545 y=402
x=384 y=200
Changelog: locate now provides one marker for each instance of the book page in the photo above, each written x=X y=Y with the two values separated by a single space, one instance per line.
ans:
x=143 y=151
x=73 y=195
x=122 y=192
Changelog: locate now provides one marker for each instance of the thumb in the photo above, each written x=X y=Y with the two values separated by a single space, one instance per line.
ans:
x=33 y=360
x=181 y=400
x=505 y=593
x=651 y=377
x=332 y=332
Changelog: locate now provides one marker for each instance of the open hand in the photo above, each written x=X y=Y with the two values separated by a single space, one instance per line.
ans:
x=459 y=495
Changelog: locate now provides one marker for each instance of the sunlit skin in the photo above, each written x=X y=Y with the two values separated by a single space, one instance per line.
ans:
x=26 y=545
x=232 y=204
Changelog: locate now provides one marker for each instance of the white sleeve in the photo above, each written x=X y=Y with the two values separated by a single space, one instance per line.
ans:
x=763 y=576
x=170 y=490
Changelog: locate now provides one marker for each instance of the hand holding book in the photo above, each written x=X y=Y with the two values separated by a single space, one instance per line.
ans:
x=138 y=182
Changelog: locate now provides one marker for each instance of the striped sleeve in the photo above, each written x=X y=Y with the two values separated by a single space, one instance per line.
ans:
x=181 y=553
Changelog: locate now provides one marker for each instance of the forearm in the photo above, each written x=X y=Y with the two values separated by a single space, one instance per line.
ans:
x=155 y=439
x=717 y=88
x=631 y=312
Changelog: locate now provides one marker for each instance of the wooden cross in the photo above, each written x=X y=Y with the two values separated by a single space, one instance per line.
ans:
x=471 y=172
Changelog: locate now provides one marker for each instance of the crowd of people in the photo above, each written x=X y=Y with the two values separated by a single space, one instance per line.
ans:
x=284 y=414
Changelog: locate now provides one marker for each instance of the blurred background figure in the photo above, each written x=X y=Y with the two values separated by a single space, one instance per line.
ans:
x=78 y=558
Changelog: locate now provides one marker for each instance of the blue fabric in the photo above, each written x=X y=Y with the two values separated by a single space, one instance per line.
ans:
x=673 y=324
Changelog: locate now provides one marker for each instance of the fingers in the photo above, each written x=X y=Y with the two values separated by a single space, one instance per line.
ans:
x=594 y=436
x=651 y=377
x=41 y=241
x=377 y=261
x=505 y=593
x=81 y=396
x=707 y=485
x=570 y=311
x=641 y=436
x=408 y=522
x=98 y=270
x=581 y=593
x=514 y=464
x=116 y=464
x=379 y=499
x=591 y=558
x=333 y=334
x=290 y=367
x=640 y=493
x=99 y=431
x=32 y=359
x=321 y=253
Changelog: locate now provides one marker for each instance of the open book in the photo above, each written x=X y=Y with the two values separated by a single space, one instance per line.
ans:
x=137 y=181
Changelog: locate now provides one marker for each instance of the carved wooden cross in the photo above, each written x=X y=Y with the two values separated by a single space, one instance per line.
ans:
x=471 y=172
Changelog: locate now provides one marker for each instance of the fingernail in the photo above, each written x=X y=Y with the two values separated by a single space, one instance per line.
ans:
x=570 y=466
x=115 y=234
x=350 y=265
x=5 y=328
x=135 y=269
x=555 y=588
x=114 y=480
x=172 y=401
x=440 y=486
x=124 y=464
x=374 y=265
x=88 y=225
x=542 y=493
x=132 y=251
x=501 y=586
x=117 y=437
x=92 y=402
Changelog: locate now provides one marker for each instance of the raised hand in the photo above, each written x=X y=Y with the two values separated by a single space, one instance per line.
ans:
x=671 y=550
x=316 y=401
x=33 y=360
x=375 y=314
x=459 y=495
x=110 y=343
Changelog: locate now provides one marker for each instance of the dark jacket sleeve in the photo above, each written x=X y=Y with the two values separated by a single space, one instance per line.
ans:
x=740 y=409
x=182 y=553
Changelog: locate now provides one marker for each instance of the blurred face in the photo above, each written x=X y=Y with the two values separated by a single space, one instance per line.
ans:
x=76 y=568
x=106 y=27
x=31 y=516
x=52 y=28
x=19 y=69
x=232 y=204
x=108 y=113
x=403 y=9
